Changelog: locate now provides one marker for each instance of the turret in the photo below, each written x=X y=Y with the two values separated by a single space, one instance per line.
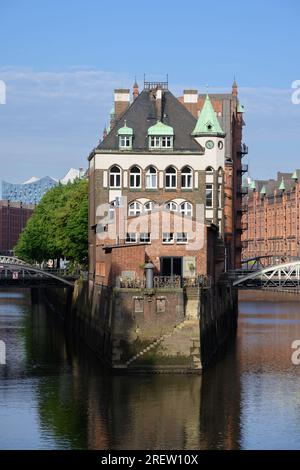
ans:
x=210 y=135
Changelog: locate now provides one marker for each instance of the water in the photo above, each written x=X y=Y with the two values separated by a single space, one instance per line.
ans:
x=55 y=395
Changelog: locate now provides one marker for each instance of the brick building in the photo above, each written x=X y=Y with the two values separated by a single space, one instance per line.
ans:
x=161 y=158
x=271 y=217
x=13 y=218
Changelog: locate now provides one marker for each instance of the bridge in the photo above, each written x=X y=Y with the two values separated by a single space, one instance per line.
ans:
x=17 y=273
x=283 y=275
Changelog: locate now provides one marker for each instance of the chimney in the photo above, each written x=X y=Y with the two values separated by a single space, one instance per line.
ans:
x=135 y=90
x=122 y=101
x=158 y=103
x=190 y=101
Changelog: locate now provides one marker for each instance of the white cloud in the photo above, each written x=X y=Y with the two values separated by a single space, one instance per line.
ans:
x=53 y=118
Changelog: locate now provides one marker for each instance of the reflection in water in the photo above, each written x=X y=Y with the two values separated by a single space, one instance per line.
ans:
x=55 y=394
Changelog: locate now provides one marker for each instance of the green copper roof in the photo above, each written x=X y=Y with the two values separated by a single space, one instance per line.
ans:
x=263 y=190
x=253 y=185
x=160 y=129
x=282 y=185
x=208 y=123
x=294 y=175
x=125 y=130
x=240 y=108
x=112 y=111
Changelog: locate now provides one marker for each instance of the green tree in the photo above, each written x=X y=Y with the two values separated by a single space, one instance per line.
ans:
x=58 y=227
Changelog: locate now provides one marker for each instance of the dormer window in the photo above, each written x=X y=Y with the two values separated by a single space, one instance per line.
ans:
x=125 y=142
x=160 y=136
x=163 y=142
x=125 y=135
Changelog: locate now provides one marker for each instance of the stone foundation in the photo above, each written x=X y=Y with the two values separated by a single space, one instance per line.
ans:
x=140 y=330
x=158 y=330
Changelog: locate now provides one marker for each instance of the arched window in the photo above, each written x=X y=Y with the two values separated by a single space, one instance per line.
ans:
x=115 y=177
x=186 y=177
x=171 y=178
x=209 y=170
x=149 y=206
x=171 y=206
x=186 y=209
x=135 y=177
x=135 y=208
x=151 y=178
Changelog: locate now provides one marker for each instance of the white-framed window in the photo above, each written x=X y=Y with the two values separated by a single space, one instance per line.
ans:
x=151 y=178
x=149 y=206
x=115 y=177
x=135 y=177
x=145 y=237
x=168 y=238
x=125 y=142
x=181 y=237
x=171 y=178
x=186 y=209
x=160 y=142
x=209 y=170
x=171 y=206
x=166 y=141
x=154 y=142
x=135 y=208
x=208 y=195
x=186 y=178
x=131 y=237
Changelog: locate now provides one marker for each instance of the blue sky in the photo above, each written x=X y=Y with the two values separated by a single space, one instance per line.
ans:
x=60 y=61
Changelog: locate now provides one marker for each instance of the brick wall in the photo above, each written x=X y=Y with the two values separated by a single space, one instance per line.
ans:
x=272 y=224
x=13 y=218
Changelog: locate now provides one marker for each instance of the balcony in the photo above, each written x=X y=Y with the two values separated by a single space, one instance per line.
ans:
x=243 y=168
x=243 y=150
x=243 y=191
x=241 y=226
x=243 y=209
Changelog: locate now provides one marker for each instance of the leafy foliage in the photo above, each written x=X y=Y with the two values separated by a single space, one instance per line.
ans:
x=58 y=227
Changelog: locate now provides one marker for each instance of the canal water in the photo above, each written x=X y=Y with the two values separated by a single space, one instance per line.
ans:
x=54 y=394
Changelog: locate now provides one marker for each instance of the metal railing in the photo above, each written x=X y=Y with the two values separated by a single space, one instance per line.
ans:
x=244 y=149
x=167 y=281
x=132 y=283
x=243 y=191
x=243 y=168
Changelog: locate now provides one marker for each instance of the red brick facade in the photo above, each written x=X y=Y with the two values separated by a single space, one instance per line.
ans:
x=271 y=218
x=13 y=218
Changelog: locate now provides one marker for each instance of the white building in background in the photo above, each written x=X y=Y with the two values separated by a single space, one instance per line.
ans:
x=33 y=189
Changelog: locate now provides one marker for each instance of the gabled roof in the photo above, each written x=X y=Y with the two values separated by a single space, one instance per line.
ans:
x=142 y=114
x=282 y=185
x=263 y=190
x=207 y=123
x=160 y=129
x=125 y=130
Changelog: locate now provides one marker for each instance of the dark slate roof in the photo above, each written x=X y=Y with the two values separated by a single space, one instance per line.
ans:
x=142 y=114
